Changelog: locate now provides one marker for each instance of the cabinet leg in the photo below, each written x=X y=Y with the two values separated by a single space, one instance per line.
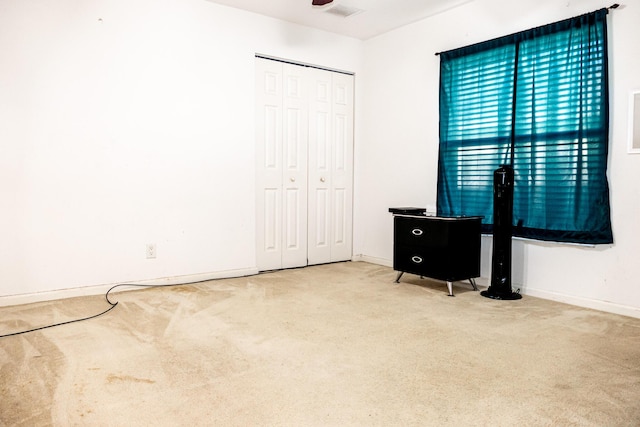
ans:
x=400 y=273
x=450 y=287
x=473 y=283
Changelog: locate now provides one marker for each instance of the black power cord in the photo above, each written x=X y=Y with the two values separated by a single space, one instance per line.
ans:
x=112 y=306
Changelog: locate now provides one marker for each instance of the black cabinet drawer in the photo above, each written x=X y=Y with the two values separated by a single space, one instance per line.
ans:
x=419 y=260
x=418 y=232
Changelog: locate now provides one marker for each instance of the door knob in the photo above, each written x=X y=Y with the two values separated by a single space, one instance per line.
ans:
x=292 y=179
x=322 y=179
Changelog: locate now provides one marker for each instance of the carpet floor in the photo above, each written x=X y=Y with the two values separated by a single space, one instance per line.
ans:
x=330 y=345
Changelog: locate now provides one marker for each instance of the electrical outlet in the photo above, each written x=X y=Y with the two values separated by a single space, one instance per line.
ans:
x=151 y=250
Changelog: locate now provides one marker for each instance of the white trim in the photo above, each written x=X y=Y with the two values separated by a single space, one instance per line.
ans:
x=483 y=282
x=550 y=243
x=102 y=289
x=5 y=301
x=372 y=260
x=634 y=128
x=303 y=64
x=606 y=306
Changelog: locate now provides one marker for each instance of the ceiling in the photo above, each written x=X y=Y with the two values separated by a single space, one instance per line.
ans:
x=371 y=17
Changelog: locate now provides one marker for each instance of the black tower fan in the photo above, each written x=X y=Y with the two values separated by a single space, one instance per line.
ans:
x=500 y=287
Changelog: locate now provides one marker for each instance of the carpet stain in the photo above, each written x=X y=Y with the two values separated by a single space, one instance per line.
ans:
x=127 y=378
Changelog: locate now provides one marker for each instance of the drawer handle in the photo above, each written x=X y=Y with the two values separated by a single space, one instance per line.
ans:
x=416 y=259
x=417 y=232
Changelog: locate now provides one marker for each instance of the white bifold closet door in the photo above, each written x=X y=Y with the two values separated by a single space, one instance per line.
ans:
x=281 y=171
x=304 y=152
x=330 y=166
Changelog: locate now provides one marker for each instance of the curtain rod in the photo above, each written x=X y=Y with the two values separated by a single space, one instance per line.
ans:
x=613 y=6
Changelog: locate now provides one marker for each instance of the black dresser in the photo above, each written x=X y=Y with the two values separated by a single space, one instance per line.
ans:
x=442 y=248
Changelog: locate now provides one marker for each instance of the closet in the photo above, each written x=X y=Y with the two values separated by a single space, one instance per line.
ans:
x=304 y=165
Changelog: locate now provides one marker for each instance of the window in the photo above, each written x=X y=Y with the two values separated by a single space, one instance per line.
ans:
x=538 y=101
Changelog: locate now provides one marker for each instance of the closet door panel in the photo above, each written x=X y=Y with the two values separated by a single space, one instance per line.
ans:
x=295 y=153
x=342 y=167
x=320 y=145
x=269 y=107
x=272 y=231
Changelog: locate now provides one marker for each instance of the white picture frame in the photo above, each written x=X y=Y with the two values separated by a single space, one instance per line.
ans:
x=634 y=123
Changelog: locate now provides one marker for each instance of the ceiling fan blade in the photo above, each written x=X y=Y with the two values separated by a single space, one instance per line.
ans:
x=320 y=2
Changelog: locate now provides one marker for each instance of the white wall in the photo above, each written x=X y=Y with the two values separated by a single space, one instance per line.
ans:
x=398 y=160
x=127 y=122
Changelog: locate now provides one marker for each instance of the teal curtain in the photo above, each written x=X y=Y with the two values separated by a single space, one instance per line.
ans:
x=537 y=101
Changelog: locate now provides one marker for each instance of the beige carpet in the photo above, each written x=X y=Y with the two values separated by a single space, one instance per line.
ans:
x=330 y=345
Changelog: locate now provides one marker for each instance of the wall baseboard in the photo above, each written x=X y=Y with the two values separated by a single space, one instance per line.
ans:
x=10 y=300
x=372 y=260
x=599 y=305
x=483 y=282
x=102 y=289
